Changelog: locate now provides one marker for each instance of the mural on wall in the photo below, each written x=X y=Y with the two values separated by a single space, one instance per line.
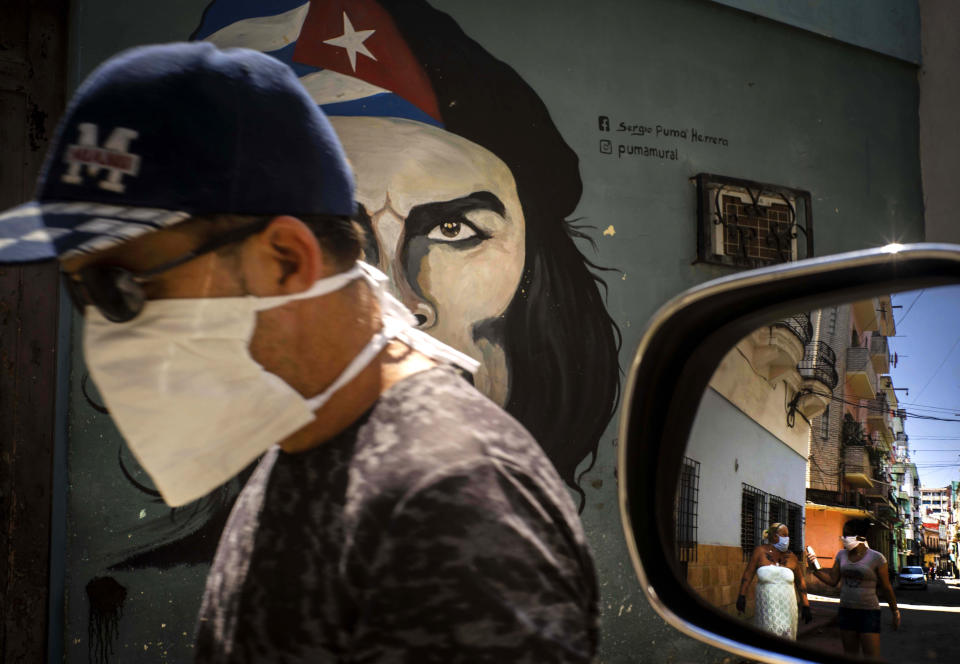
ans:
x=465 y=187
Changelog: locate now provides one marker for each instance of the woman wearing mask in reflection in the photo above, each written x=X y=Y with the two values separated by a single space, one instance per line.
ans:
x=861 y=571
x=779 y=582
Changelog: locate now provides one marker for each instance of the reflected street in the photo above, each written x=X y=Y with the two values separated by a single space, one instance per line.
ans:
x=929 y=622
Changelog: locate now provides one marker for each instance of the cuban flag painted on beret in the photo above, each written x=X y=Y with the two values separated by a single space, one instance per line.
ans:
x=348 y=54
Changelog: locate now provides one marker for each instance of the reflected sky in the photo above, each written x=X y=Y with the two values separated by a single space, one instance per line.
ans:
x=927 y=349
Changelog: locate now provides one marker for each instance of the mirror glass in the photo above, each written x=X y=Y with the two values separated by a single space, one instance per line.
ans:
x=845 y=418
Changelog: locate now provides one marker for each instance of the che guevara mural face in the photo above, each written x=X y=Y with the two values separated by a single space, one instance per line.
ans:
x=446 y=225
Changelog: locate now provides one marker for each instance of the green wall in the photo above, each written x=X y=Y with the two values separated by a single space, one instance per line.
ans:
x=796 y=109
x=886 y=26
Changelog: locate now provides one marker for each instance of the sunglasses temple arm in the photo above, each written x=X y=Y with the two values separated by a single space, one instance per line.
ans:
x=210 y=245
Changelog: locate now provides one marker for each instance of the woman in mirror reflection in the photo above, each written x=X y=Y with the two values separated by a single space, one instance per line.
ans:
x=779 y=583
x=862 y=571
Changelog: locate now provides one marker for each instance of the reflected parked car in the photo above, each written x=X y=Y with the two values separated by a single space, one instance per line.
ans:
x=912 y=577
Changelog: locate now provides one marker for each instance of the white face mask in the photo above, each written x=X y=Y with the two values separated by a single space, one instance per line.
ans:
x=851 y=542
x=192 y=403
x=782 y=544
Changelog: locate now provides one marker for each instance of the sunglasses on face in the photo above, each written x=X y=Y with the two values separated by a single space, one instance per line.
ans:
x=117 y=292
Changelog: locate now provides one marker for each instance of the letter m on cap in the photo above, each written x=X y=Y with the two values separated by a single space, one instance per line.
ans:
x=113 y=157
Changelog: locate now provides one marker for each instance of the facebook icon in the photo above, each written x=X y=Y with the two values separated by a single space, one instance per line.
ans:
x=604 y=123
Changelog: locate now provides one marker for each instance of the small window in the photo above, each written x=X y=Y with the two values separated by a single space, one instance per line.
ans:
x=825 y=423
x=750 y=224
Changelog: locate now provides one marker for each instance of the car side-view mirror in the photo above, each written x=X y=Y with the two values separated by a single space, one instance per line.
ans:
x=766 y=464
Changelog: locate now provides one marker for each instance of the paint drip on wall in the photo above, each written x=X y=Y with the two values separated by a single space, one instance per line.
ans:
x=106 y=597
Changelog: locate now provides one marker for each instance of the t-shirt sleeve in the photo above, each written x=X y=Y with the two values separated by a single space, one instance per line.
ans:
x=478 y=565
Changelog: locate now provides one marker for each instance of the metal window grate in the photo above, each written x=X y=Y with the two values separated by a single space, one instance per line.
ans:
x=685 y=512
x=777 y=510
x=753 y=518
x=820 y=363
x=825 y=423
x=741 y=223
x=799 y=324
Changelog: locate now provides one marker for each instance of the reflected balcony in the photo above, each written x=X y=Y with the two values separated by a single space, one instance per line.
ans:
x=818 y=371
x=879 y=492
x=778 y=348
x=867 y=314
x=861 y=377
x=799 y=325
x=880 y=419
x=880 y=354
x=857 y=469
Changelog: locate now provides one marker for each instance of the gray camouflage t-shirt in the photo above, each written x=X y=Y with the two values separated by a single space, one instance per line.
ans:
x=434 y=529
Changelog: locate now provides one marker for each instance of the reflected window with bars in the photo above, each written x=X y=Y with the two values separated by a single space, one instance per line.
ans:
x=685 y=511
x=777 y=510
x=753 y=518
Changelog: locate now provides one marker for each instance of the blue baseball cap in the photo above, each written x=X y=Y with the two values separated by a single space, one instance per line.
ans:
x=159 y=134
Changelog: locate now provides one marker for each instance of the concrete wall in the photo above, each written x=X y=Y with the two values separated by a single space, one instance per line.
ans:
x=939 y=110
x=732 y=450
x=793 y=107
x=757 y=398
x=885 y=26
x=831 y=326
x=715 y=574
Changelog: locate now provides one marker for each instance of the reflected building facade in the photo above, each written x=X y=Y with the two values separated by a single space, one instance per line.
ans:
x=852 y=447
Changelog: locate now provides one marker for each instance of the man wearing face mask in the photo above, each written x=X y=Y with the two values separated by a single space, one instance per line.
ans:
x=863 y=572
x=199 y=204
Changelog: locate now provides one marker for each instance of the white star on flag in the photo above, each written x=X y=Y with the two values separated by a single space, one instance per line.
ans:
x=352 y=41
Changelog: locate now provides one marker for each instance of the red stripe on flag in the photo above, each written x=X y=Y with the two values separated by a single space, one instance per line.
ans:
x=395 y=67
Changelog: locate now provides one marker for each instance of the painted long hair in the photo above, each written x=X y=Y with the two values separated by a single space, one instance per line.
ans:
x=561 y=343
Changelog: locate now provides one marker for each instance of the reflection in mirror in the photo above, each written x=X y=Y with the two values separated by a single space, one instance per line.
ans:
x=843 y=421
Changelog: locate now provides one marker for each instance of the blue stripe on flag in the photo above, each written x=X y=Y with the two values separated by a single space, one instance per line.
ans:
x=221 y=13
x=386 y=104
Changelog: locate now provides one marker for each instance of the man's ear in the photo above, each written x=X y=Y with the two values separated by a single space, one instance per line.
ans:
x=287 y=258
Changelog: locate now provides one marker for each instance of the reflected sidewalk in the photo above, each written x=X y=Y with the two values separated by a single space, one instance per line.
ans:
x=824 y=619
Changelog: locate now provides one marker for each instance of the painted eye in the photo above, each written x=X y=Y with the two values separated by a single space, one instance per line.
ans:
x=451 y=231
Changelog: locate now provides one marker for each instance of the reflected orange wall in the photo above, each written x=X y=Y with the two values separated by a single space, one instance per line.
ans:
x=822 y=531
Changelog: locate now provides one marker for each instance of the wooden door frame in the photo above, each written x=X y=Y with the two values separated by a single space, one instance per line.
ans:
x=33 y=76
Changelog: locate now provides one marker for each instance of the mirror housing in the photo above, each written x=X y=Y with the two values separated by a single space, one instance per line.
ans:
x=681 y=347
